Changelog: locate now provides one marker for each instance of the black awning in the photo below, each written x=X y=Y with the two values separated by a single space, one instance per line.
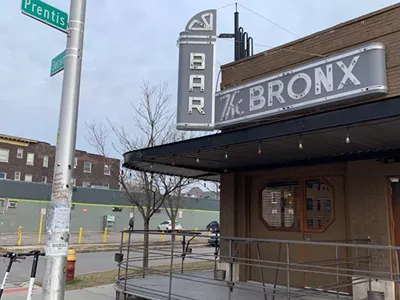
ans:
x=372 y=129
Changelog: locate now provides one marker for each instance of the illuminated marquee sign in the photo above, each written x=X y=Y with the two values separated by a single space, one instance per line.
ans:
x=353 y=74
x=196 y=89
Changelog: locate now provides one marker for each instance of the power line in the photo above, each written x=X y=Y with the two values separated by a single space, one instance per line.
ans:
x=225 y=6
x=268 y=20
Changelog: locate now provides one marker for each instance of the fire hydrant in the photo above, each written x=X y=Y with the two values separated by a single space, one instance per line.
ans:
x=71 y=260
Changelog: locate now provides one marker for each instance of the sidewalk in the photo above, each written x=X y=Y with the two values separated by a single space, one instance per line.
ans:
x=106 y=292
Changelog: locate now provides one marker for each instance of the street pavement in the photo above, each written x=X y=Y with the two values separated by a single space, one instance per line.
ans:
x=96 y=262
x=89 y=237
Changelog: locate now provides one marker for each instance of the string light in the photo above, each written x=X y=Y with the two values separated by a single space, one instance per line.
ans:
x=259 y=149
x=151 y=166
x=226 y=154
x=173 y=160
x=197 y=159
x=300 y=144
x=348 y=137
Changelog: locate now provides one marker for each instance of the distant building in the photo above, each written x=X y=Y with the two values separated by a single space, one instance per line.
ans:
x=197 y=192
x=29 y=160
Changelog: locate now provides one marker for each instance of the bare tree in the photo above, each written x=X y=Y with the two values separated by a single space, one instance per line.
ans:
x=213 y=187
x=175 y=201
x=153 y=125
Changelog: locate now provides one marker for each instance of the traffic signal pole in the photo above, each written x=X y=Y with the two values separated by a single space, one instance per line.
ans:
x=60 y=212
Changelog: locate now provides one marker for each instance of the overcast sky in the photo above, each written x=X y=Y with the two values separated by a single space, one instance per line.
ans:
x=129 y=41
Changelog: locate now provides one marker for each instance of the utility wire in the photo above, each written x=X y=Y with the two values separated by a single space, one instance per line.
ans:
x=225 y=6
x=268 y=20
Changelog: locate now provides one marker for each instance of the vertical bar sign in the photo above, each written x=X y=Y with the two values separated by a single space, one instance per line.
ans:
x=57 y=64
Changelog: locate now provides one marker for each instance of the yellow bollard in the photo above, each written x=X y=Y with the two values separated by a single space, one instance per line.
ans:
x=209 y=232
x=40 y=230
x=162 y=235
x=179 y=236
x=80 y=235
x=105 y=235
x=195 y=230
x=124 y=237
x=19 y=236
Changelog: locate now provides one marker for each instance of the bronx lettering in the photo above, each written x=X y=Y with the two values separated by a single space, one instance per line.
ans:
x=196 y=82
x=322 y=79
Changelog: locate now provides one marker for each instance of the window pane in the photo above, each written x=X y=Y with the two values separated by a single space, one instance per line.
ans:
x=30 y=159
x=3 y=175
x=17 y=176
x=319 y=197
x=86 y=184
x=28 y=177
x=20 y=153
x=106 y=170
x=4 y=155
x=280 y=207
x=46 y=161
x=87 y=167
x=44 y=179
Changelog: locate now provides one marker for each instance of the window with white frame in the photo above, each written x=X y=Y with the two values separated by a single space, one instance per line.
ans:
x=4 y=154
x=17 y=175
x=107 y=170
x=106 y=185
x=3 y=175
x=86 y=184
x=28 y=177
x=30 y=157
x=87 y=167
x=75 y=162
x=44 y=179
x=46 y=161
x=20 y=153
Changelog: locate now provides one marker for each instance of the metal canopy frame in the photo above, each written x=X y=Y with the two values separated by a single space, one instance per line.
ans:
x=375 y=125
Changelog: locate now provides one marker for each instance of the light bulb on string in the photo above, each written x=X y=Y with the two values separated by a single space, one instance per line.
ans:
x=226 y=154
x=347 y=138
x=300 y=144
x=197 y=159
x=173 y=160
x=259 y=149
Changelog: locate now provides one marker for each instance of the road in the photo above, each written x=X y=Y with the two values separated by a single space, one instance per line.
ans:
x=94 y=262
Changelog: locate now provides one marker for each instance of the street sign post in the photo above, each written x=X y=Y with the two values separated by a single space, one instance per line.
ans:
x=59 y=215
x=46 y=14
x=57 y=64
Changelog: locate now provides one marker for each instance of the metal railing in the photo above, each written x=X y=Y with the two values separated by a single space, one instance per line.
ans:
x=254 y=268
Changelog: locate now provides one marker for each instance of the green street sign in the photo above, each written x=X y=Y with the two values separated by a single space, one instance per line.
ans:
x=57 y=64
x=46 y=14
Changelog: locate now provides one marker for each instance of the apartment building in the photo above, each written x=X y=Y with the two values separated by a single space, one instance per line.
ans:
x=29 y=160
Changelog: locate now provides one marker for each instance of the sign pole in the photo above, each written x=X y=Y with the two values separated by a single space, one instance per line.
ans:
x=60 y=212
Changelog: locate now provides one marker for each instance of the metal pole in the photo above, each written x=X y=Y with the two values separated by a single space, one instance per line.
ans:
x=60 y=211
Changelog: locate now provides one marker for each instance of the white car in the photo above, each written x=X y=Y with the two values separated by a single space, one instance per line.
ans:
x=167 y=226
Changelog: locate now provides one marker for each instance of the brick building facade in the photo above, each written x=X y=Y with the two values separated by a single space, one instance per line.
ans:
x=33 y=161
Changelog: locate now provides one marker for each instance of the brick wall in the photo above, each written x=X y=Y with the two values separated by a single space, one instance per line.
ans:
x=40 y=149
x=380 y=26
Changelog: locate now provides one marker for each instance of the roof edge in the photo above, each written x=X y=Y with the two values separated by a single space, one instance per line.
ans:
x=310 y=36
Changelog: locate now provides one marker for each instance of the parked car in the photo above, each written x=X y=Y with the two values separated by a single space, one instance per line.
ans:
x=167 y=226
x=213 y=240
x=213 y=225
